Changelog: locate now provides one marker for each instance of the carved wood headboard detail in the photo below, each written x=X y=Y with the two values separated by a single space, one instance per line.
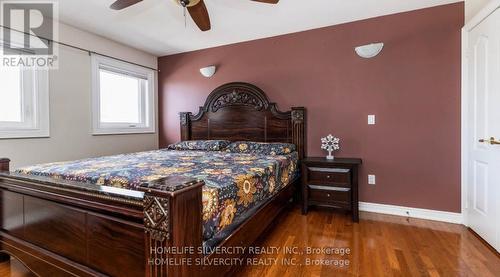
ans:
x=242 y=111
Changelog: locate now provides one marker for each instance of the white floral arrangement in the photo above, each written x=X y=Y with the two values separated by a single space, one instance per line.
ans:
x=330 y=144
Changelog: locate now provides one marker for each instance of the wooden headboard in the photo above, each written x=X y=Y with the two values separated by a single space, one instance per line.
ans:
x=242 y=111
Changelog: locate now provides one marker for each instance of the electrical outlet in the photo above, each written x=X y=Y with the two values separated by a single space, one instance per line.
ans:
x=371 y=119
x=371 y=179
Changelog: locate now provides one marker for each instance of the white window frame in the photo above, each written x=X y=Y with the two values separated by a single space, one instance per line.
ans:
x=35 y=109
x=149 y=111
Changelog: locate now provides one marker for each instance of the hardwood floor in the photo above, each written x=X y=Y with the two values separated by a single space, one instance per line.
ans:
x=14 y=268
x=379 y=245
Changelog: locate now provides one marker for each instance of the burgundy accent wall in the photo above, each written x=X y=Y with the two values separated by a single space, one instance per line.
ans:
x=413 y=88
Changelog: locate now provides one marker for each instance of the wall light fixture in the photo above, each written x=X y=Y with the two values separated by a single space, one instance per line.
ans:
x=369 y=50
x=208 y=71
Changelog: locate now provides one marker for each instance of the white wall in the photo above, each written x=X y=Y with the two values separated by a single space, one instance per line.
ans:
x=472 y=7
x=70 y=107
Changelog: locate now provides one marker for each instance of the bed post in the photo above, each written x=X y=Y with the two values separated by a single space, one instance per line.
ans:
x=185 y=126
x=4 y=164
x=299 y=130
x=173 y=226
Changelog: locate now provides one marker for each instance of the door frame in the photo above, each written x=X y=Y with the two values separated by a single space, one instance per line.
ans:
x=491 y=7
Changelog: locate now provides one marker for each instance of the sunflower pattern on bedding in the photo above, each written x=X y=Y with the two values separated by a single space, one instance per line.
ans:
x=235 y=182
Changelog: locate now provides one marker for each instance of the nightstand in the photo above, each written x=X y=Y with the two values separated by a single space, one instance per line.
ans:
x=331 y=183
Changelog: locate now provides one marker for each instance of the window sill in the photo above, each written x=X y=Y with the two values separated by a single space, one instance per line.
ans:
x=24 y=134
x=110 y=132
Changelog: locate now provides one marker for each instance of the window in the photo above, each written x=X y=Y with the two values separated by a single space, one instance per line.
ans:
x=123 y=97
x=24 y=102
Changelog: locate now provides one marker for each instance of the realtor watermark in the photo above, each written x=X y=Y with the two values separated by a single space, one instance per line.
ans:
x=297 y=256
x=29 y=29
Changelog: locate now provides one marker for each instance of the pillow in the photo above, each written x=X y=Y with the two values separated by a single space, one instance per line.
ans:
x=262 y=148
x=203 y=145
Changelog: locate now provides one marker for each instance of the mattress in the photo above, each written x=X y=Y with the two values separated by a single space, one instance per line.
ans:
x=236 y=183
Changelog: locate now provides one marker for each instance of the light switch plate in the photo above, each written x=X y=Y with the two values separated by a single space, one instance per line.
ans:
x=371 y=119
x=371 y=179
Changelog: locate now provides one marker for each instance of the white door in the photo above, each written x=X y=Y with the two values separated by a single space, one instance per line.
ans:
x=483 y=123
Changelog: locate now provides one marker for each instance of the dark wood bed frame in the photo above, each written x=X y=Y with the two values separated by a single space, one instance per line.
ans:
x=62 y=228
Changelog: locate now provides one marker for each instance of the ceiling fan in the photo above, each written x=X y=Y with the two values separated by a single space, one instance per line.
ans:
x=196 y=8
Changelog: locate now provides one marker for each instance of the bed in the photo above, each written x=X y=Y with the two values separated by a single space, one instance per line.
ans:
x=162 y=212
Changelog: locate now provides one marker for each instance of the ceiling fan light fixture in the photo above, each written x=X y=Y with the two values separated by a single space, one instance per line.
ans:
x=196 y=9
x=187 y=3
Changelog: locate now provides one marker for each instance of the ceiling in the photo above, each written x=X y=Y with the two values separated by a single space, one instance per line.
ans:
x=157 y=26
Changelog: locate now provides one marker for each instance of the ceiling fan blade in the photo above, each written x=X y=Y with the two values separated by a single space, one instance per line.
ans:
x=199 y=13
x=122 y=4
x=267 y=1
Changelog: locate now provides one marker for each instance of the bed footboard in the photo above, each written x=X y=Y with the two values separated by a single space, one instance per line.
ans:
x=55 y=230
x=4 y=164
x=173 y=224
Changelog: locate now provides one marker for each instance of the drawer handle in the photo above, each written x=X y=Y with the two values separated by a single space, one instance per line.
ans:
x=328 y=176
x=329 y=188
x=328 y=195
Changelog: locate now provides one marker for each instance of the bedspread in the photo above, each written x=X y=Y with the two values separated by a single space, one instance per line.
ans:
x=236 y=183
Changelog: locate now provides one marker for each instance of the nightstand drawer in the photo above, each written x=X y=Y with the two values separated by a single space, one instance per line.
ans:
x=340 y=197
x=333 y=176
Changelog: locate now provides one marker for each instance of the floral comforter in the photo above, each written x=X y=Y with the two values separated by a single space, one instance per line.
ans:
x=236 y=183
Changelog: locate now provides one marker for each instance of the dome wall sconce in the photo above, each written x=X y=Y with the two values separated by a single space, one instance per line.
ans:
x=208 y=71
x=370 y=50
